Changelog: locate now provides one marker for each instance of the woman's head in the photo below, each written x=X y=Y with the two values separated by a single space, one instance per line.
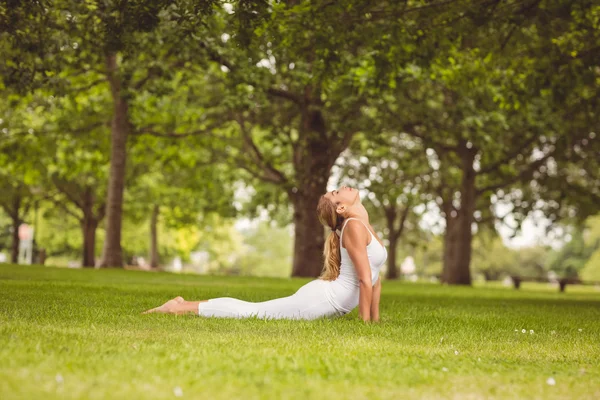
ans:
x=332 y=209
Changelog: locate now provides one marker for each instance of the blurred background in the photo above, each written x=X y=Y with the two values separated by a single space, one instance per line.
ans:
x=198 y=136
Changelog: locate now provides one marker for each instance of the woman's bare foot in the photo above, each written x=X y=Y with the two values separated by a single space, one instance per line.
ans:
x=168 y=307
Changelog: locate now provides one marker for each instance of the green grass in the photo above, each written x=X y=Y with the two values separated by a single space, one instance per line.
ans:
x=78 y=334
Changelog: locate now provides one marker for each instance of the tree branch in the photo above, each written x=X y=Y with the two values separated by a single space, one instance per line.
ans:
x=59 y=185
x=274 y=174
x=519 y=177
x=516 y=151
x=285 y=94
x=216 y=57
x=410 y=129
x=100 y=211
x=148 y=130
x=89 y=85
x=403 y=217
x=66 y=209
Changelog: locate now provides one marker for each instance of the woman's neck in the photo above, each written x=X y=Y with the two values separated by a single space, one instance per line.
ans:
x=358 y=212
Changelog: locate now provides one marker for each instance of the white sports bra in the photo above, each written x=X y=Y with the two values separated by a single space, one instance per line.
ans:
x=376 y=252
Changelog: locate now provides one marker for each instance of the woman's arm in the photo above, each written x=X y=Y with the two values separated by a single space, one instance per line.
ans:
x=375 y=301
x=355 y=241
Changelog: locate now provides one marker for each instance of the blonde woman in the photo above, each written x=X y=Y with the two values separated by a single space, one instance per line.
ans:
x=353 y=257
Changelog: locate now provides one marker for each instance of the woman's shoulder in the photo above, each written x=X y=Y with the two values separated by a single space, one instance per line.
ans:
x=354 y=223
x=355 y=230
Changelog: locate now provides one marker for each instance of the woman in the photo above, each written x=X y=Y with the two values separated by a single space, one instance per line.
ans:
x=350 y=276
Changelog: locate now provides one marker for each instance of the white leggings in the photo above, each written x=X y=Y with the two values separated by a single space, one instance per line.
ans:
x=309 y=302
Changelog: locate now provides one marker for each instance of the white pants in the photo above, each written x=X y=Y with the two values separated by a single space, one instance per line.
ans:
x=309 y=302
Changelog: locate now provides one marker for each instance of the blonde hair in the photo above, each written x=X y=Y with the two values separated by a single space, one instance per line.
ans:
x=333 y=257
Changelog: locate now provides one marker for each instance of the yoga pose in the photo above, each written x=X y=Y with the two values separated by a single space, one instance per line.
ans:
x=350 y=276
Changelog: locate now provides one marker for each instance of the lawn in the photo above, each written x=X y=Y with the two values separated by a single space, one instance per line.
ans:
x=68 y=333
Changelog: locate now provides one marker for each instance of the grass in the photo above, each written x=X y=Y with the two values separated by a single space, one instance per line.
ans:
x=78 y=334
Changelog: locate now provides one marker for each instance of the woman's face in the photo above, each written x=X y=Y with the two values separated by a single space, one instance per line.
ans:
x=344 y=195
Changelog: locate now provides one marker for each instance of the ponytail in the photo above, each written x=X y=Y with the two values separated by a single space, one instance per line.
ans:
x=333 y=257
x=326 y=211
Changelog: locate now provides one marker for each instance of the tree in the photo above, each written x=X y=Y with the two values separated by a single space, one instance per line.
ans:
x=492 y=258
x=570 y=260
x=390 y=168
x=486 y=127
x=297 y=96
x=16 y=201
x=591 y=269
x=19 y=182
x=73 y=156
x=100 y=41
x=176 y=186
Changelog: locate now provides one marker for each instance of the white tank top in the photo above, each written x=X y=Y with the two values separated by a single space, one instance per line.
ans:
x=343 y=292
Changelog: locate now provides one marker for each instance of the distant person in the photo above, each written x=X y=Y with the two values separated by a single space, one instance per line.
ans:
x=350 y=275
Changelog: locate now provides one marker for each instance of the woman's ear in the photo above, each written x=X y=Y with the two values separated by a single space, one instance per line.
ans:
x=341 y=209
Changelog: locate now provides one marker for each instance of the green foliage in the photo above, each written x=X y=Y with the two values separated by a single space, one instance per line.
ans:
x=532 y=262
x=267 y=251
x=266 y=95
x=591 y=270
x=572 y=257
x=5 y=233
x=492 y=258
x=428 y=256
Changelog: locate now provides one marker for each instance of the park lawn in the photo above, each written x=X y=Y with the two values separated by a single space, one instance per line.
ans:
x=68 y=333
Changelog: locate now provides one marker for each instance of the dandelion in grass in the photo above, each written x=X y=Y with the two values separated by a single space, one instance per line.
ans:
x=177 y=391
x=59 y=379
x=531 y=331
x=524 y=331
x=580 y=330
x=455 y=352
x=444 y=369
x=550 y=381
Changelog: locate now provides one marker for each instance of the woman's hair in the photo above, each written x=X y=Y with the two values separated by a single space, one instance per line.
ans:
x=333 y=257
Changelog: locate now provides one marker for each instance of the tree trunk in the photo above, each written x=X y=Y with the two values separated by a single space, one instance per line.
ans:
x=112 y=254
x=16 y=222
x=88 y=227
x=516 y=282
x=309 y=236
x=395 y=233
x=390 y=215
x=449 y=244
x=14 y=254
x=314 y=156
x=458 y=240
x=89 y=224
x=392 y=271
x=154 y=260
x=42 y=257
